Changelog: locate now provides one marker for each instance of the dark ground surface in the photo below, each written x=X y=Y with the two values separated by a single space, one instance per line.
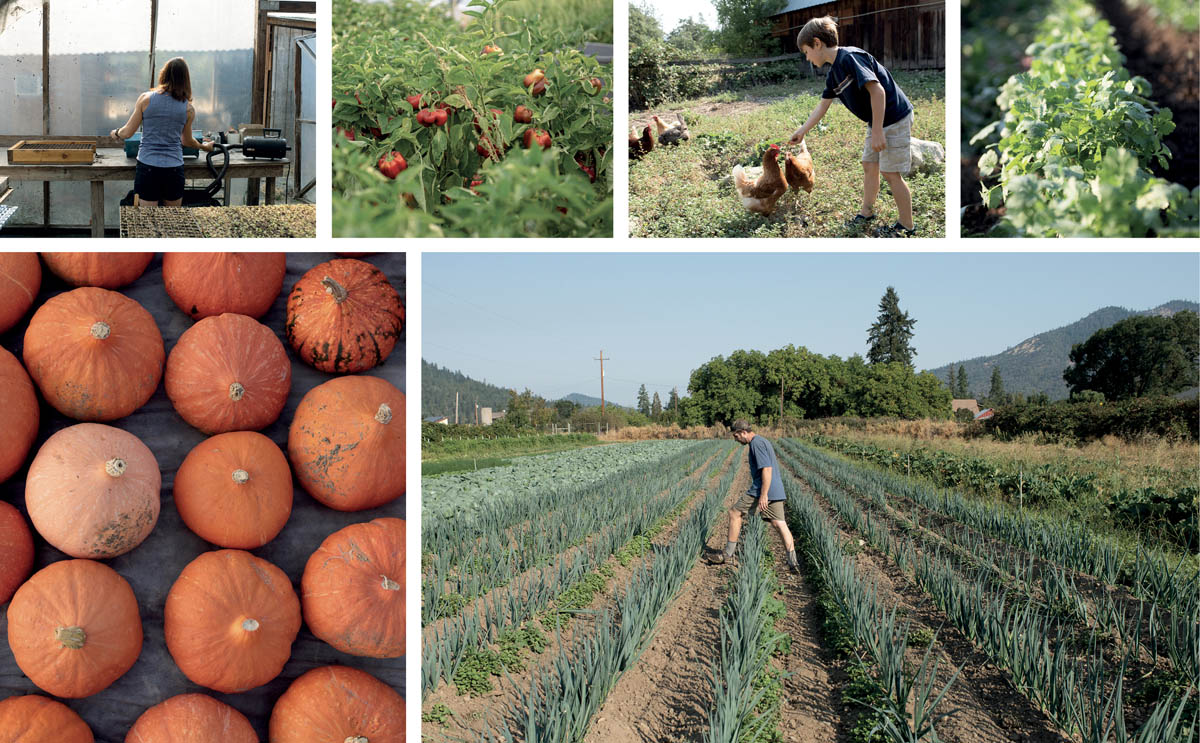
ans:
x=154 y=565
x=1170 y=60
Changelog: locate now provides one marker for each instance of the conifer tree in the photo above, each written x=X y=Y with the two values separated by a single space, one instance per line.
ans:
x=996 y=395
x=673 y=400
x=656 y=406
x=643 y=401
x=889 y=336
x=962 y=391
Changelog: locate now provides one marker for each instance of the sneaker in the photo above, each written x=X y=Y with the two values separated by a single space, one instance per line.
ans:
x=794 y=567
x=858 y=221
x=721 y=559
x=896 y=230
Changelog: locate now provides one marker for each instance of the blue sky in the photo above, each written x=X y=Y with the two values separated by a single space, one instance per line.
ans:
x=539 y=320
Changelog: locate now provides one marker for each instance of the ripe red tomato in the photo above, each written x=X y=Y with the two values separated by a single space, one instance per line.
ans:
x=348 y=132
x=392 y=164
x=534 y=77
x=540 y=135
x=425 y=117
x=597 y=84
x=538 y=88
x=440 y=117
x=523 y=115
x=414 y=101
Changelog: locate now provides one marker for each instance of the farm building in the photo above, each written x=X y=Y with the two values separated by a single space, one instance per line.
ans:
x=971 y=405
x=73 y=76
x=901 y=34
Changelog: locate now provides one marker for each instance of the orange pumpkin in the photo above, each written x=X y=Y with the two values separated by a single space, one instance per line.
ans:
x=20 y=279
x=74 y=628
x=207 y=284
x=36 y=719
x=106 y=270
x=21 y=414
x=16 y=551
x=346 y=443
x=228 y=373
x=96 y=355
x=191 y=718
x=344 y=316
x=352 y=591
x=336 y=703
x=235 y=490
x=230 y=620
x=92 y=491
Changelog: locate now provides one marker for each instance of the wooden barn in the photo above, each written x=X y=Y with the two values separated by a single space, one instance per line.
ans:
x=902 y=34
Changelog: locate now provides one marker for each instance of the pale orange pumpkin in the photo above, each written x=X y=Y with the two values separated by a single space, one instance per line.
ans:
x=346 y=443
x=230 y=620
x=104 y=269
x=96 y=355
x=20 y=279
x=336 y=704
x=344 y=316
x=36 y=719
x=74 y=628
x=207 y=284
x=191 y=718
x=19 y=402
x=228 y=373
x=93 y=491
x=16 y=551
x=235 y=490
x=352 y=591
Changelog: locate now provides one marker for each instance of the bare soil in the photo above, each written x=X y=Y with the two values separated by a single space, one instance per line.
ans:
x=976 y=218
x=1170 y=60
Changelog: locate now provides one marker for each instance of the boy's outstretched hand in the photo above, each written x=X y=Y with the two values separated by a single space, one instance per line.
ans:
x=797 y=136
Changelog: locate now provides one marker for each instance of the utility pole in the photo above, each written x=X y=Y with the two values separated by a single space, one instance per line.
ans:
x=456 y=408
x=601 y=360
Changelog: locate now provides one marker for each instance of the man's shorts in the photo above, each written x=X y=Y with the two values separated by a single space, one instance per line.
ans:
x=897 y=157
x=748 y=503
x=158 y=184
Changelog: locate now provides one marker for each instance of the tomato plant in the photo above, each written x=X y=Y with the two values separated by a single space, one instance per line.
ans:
x=451 y=100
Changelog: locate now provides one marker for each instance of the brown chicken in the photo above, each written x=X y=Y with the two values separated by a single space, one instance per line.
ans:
x=640 y=146
x=798 y=170
x=761 y=195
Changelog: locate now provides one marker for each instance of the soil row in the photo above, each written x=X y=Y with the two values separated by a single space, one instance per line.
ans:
x=494 y=710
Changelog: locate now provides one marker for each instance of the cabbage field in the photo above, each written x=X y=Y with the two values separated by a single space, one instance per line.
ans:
x=581 y=609
x=1080 y=118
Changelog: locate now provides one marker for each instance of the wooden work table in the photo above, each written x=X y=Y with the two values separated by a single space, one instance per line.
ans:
x=112 y=165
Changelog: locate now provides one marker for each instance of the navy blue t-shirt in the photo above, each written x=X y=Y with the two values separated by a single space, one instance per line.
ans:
x=762 y=454
x=847 y=81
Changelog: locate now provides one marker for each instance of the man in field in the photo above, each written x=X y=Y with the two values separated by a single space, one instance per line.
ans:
x=765 y=495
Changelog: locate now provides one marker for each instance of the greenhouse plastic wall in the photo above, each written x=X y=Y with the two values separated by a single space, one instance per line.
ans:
x=100 y=63
x=21 y=89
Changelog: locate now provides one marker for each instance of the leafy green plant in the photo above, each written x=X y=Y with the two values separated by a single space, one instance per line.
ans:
x=1076 y=136
x=467 y=173
x=438 y=713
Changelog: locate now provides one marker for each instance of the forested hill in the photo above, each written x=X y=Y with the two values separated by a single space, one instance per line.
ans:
x=438 y=386
x=1036 y=364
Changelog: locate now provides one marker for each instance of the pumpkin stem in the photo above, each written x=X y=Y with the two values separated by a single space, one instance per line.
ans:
x=240 y=476
x=384 y=415
x=389 y=584
x=337 y=290
x=357 y=739
x=250 y=625
x=100 y=330
x=236 y=391
x=71 y=637
x=115 y=467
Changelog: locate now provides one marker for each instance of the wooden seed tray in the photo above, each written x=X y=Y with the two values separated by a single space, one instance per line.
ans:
x=51 y=152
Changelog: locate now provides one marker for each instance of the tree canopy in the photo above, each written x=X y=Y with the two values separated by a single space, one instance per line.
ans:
x=644 y=28
x=1138 y=357
x=889 y=336
x=744 y=28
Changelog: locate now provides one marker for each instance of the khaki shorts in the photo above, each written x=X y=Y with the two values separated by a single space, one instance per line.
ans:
x=748 y=503
x=897 y=157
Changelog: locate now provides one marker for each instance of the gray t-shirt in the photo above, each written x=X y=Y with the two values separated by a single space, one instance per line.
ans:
x=762 y=454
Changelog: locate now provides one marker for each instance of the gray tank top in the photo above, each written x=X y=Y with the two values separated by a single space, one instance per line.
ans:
x=162 y=127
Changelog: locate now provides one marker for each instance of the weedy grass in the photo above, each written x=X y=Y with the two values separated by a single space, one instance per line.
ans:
x=584 y=20
x=686 y=191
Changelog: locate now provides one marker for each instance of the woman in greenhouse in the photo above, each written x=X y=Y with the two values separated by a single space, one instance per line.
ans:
x=165 y=115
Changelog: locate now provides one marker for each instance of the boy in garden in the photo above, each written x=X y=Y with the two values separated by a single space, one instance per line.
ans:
x=866 y=88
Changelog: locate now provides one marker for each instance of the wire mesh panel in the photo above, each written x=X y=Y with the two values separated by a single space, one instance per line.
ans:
x=21 y=94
